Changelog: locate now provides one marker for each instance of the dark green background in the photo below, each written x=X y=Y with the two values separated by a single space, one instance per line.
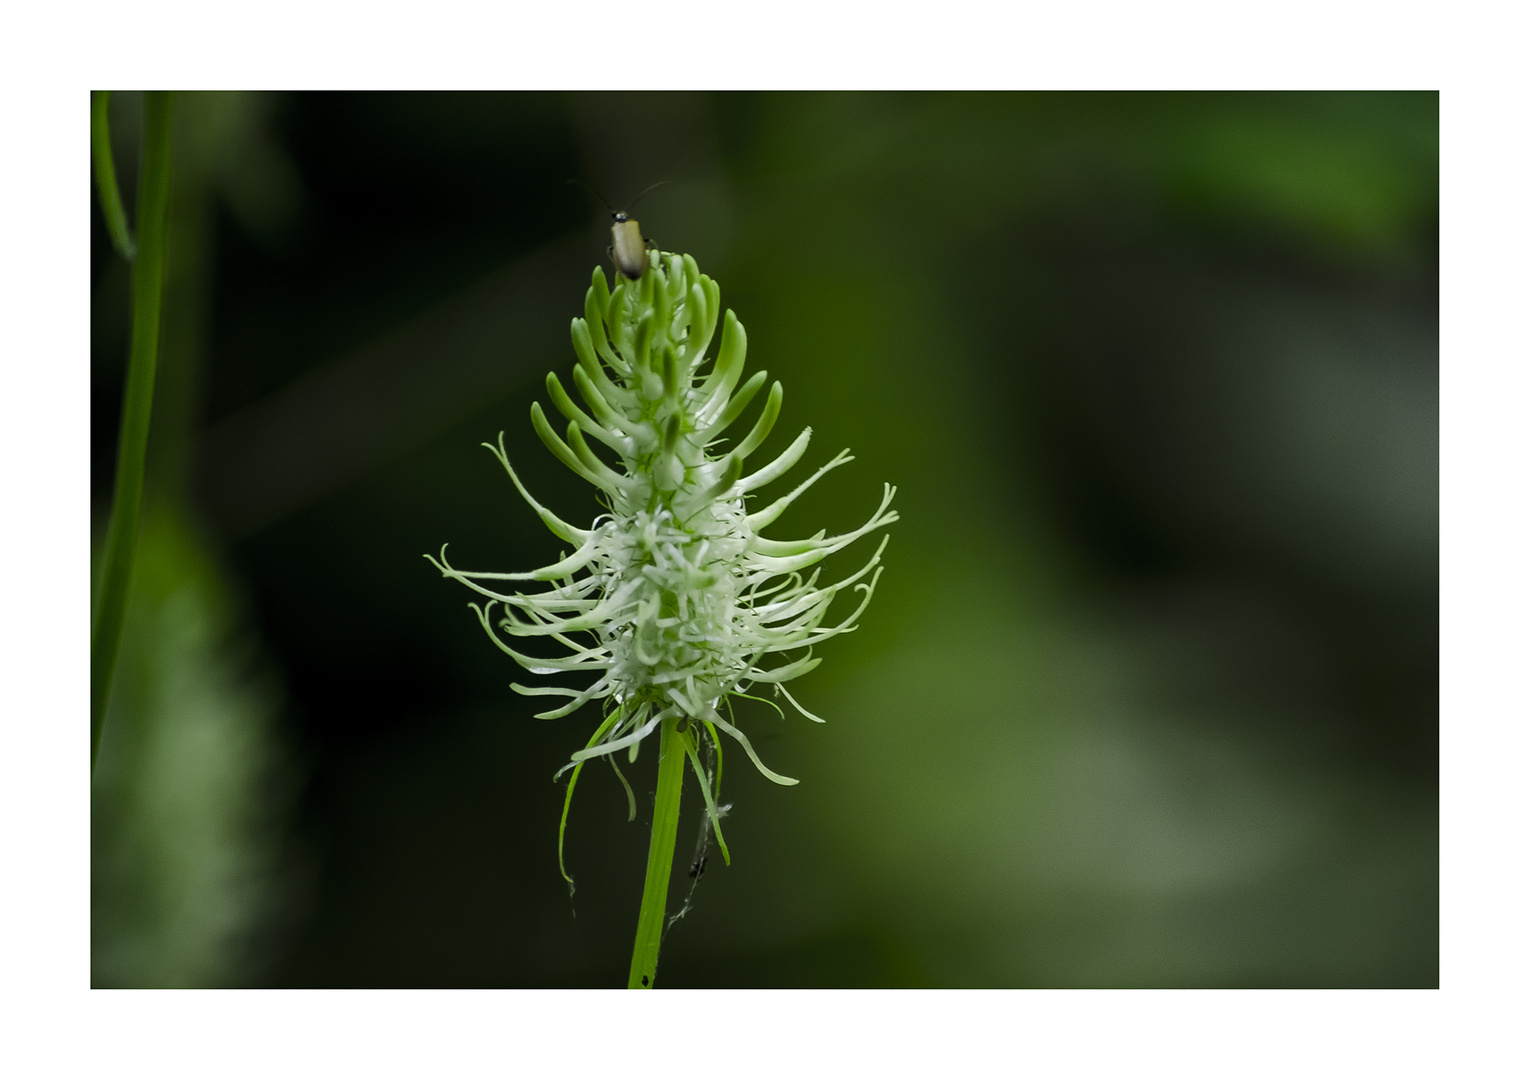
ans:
x=1148 y=693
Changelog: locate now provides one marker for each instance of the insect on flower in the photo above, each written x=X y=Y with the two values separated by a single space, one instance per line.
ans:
x=671 y=602
x=629 y=247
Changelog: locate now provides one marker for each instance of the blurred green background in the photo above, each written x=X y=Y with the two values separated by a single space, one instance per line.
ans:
x=1148 y=694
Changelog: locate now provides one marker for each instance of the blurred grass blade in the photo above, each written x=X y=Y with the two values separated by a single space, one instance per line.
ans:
x=106 y=176
x=127 y=496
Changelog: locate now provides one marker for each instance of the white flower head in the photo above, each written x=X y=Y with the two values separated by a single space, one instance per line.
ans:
x=672 y=602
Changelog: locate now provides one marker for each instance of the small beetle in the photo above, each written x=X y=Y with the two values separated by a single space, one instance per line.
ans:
x=628 y=247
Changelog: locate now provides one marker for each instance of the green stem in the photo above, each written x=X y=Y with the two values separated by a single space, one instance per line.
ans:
x=106 y=176
x=661 y=858
x=127 y=497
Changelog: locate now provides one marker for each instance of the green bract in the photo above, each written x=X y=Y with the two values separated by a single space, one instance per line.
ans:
x=672 y=601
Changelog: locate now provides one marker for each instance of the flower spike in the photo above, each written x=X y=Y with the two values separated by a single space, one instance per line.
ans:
x=672 y=601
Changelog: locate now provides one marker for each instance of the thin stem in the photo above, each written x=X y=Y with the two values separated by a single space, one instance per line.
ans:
x=661 y=857
x=127 y=498
x=106 y=176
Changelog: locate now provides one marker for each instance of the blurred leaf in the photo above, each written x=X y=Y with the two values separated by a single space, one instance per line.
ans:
x=189 y=786
x=1325 y=169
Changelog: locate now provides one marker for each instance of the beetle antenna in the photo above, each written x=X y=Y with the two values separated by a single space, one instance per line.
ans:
x=645 y=191
x=592 y=191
